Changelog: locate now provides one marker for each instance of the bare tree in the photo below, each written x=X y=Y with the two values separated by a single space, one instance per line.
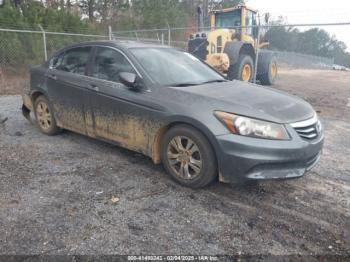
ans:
x=88 y=7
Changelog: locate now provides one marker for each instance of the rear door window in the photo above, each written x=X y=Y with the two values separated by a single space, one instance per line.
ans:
x=73 y=60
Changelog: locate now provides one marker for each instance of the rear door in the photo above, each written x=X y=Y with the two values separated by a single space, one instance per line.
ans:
x=67 y=85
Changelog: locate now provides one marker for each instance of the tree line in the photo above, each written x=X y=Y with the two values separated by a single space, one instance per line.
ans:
x=121 y=14
x=314 y=41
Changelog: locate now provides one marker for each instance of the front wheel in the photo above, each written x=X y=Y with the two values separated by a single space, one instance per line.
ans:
x=243 y=70
x=188 y=157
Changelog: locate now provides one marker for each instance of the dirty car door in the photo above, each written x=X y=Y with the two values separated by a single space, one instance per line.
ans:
x=119 y=114
x=67 y=86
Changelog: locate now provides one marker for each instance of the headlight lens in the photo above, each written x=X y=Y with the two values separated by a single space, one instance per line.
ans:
x=246 y=126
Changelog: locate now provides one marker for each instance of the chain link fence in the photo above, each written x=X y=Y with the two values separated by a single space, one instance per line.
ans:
x=179 y=37
x=297 y=60
x=20 y=49
x=175 y=37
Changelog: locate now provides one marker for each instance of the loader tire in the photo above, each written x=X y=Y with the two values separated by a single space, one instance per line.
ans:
x=269 y=77
x=243 y=70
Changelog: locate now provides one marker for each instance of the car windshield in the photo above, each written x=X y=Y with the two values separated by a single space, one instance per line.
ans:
x=170 y=67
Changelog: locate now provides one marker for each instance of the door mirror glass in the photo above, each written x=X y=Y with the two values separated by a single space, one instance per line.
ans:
x=130 y=80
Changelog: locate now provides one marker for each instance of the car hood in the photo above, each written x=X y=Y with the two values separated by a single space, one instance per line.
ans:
x=245 y=99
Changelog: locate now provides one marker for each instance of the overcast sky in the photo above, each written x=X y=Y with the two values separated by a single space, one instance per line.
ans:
x=310 y=11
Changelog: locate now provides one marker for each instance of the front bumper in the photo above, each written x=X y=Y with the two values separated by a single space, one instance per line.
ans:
x=243 y=158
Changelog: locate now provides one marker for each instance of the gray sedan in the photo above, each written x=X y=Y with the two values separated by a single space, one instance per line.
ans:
x=172 y=107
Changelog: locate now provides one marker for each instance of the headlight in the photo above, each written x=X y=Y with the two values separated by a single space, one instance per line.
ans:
x=246 y=126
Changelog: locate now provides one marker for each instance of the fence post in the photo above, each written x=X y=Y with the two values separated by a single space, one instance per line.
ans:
x=162 y=37
x=110 y=32
x=44 y=39
x=256 y=55
x=169 y=34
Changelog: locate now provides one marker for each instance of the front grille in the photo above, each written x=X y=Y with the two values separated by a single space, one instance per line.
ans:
x=308 y=129
x=308 y=132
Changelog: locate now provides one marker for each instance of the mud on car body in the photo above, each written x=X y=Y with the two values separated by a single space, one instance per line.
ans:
x=171 y=107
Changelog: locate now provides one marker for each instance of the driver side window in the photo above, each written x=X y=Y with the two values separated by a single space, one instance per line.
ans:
x=109 y=63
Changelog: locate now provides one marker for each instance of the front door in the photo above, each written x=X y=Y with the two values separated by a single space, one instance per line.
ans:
x=119 y=114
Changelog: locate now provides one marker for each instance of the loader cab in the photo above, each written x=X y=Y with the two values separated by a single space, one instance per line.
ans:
x=231 y=46
x=239 y=18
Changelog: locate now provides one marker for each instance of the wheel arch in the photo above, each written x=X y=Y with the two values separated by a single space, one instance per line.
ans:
x=235 y=49
x=36 y=93
x=157 y=143
x=247 y=49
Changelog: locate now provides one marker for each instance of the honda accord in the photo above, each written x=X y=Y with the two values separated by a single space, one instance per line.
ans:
x=172 y=107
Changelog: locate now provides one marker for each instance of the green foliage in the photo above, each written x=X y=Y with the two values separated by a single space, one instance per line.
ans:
x=314 y=41
x=152 y=14
x=21 y=49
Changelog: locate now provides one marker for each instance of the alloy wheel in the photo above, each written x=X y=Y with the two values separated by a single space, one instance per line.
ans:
x=184 y=157
x=43 y=115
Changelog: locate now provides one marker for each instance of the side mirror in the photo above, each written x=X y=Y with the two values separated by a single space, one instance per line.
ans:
x=130 y=80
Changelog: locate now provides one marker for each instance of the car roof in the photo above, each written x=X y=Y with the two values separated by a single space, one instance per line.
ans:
x=120 y=43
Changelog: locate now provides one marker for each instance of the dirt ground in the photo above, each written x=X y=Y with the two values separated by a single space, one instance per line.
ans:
x=55 y=193
x=13 y=82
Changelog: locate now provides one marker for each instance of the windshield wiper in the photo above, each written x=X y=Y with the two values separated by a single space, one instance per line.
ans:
x=214 y=81
x=184 y=84
x=197 y=84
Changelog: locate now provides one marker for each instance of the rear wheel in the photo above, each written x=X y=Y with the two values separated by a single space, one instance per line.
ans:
x=44 y=116
x=243 y=70
x=188 y=157
x=269 y=77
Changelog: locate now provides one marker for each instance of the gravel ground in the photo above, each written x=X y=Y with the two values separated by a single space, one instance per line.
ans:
x=55 y=193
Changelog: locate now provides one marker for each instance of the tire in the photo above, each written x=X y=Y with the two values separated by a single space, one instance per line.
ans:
x=269 y=77
x=198 y=175
x=236 y=71
x=44 y=117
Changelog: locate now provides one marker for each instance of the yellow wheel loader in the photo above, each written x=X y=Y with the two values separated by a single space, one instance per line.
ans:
x=230 y=46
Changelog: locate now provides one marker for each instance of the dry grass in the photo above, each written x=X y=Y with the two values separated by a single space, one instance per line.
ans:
x=13 y=82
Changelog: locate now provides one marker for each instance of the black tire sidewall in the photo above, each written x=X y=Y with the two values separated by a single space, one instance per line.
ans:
x=54 y=129
x=235 y=71
x=209 y=169
x=266 y=78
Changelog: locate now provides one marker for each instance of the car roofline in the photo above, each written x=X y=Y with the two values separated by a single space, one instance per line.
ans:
x=119 y=43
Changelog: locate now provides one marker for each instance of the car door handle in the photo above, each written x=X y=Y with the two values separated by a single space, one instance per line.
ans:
x=94 y=87
x=52 y=76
